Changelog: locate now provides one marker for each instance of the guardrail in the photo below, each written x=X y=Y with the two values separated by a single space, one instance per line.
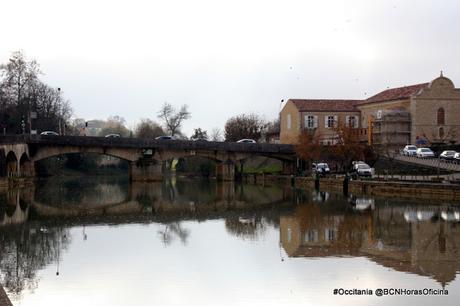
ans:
x=150 y=143
x=438 y=163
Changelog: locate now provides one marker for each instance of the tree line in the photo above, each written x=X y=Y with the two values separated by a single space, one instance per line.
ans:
x=28 y=105
x=26 y=102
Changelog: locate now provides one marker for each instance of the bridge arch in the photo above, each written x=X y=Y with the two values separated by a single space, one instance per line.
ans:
x=12 y=166
x=123 y=154
x=25 y=165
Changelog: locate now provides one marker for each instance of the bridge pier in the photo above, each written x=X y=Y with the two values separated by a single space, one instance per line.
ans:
x=145 y=169
x=289 y=167
x=225 y=171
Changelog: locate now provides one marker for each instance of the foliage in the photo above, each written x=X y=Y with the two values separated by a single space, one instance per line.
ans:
x=244 y=126
x=309 y=147
x=23 y=93
x=348 y=147
x=115 y=125
x=199 y=134
x=172 y=118
x=148 y=129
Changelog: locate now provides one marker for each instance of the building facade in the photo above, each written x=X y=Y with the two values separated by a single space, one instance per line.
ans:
x=395 y=117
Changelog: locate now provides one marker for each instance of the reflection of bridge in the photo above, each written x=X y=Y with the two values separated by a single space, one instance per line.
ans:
x=146 y=202
x=145 y=157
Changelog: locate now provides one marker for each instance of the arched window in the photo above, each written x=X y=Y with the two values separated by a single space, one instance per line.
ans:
x=441 y=116
x=441 y=133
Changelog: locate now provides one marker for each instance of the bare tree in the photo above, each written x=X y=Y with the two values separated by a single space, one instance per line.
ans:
x=173 y=118
x=22 y=93
x=216 y=134
x=148 y=129
x=244 y=126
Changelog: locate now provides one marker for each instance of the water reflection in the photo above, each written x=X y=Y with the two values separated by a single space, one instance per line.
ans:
x=406 y=237
x=36 y=224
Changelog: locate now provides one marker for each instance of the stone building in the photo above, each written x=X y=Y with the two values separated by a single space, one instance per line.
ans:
x=393 y=117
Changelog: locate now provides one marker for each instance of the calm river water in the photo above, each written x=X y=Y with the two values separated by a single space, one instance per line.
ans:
x=105 y=242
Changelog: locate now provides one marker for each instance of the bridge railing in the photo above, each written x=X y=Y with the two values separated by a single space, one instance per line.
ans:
x=149 y=143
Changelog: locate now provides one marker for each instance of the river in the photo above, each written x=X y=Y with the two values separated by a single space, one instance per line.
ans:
x=105 y=241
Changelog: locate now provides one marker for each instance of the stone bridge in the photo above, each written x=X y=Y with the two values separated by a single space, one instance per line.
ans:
x=18 y=154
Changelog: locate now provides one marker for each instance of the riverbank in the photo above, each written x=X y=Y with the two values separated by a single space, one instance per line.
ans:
x=389 y=188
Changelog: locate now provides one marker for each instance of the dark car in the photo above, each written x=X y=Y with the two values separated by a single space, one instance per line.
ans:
x=49 y=133
x=164 y=137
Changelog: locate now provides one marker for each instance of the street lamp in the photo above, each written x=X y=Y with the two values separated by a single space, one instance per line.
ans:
x=59 y=109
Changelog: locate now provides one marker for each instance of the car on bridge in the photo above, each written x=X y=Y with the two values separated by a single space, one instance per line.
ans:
x=246 y=141
x=165 y=137
x=409 y=150
x=447 y=155
x=49 y=133
x=425 y=153
x=112 y=136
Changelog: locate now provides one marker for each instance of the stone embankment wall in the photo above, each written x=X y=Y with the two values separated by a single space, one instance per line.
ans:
x=399 y=189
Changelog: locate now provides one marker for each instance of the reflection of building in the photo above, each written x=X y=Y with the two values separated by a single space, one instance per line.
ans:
x=398 y=115
x=384 y=235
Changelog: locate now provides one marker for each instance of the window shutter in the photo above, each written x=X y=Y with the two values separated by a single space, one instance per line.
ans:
x=347 y=120
x=315 y=121
x=336 y=121
x=325 y=121
x=305 y=121
x=356 y=122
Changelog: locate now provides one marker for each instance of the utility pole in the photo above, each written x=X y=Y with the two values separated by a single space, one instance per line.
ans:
x=59 y=109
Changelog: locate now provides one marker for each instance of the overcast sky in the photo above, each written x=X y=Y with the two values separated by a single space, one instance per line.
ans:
x=224 y=58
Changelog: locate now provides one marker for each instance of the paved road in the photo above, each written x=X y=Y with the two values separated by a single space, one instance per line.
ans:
x=431 y=162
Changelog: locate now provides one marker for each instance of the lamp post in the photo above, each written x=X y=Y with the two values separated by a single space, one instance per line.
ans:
x=59 y=110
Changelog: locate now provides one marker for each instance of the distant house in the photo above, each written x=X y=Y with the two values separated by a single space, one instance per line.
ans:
x=397 y=116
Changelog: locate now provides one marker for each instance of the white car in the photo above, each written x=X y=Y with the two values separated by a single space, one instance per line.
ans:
x=447 y=155
x=49 y=133
x=361 y=169
x=424 y=153
x=457 y=156
x=409 y=150
x=246 y=141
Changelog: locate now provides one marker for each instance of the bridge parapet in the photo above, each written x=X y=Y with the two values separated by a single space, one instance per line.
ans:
x=146 y=155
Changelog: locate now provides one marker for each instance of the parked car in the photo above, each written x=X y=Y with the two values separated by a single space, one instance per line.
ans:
x=409 y=150
x=448 y=155
x=360 y=169
x=457 y=157
x=321 y=168
x=424 y=153
x=246 y=141
x=112 y=135
x=165 y=137
x=49 y=133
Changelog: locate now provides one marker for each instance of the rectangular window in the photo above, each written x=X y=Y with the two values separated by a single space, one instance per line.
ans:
x=310 y=122
x=352 y=121
x=329 y=234
x=288 y=121
x=311 y=236
x=330 y=121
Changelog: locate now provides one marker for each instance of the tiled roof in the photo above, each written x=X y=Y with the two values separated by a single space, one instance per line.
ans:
x=325 y=105
x=396 y=93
